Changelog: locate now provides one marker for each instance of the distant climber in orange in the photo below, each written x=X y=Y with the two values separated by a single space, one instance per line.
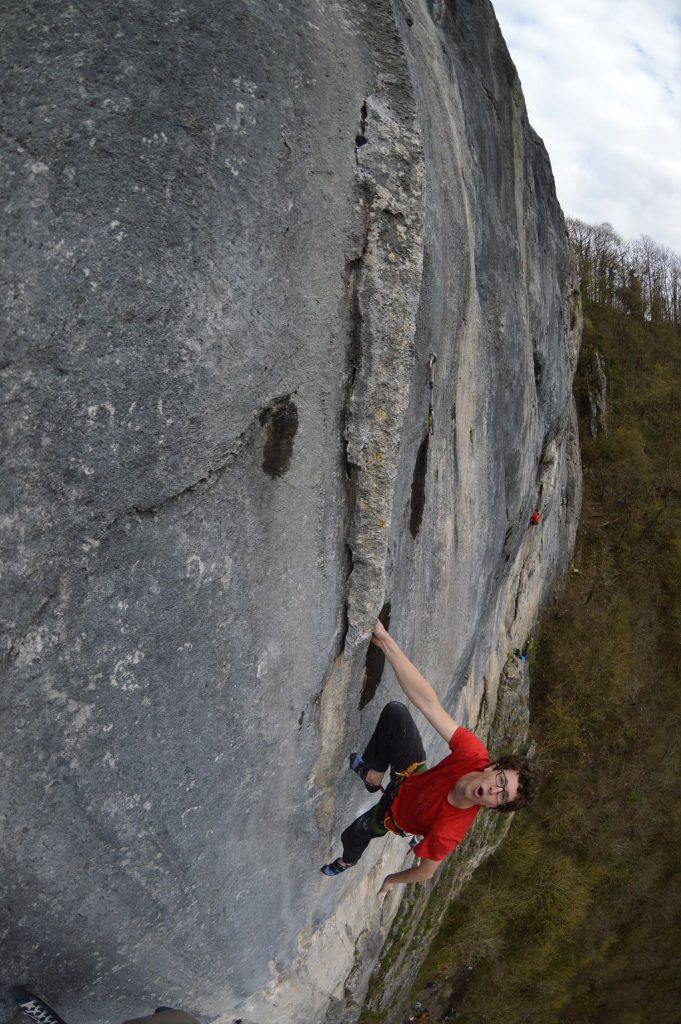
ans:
x=440 y=803
x=535 y=518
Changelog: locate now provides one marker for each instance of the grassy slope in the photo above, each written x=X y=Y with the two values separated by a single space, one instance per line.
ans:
x=578 y=918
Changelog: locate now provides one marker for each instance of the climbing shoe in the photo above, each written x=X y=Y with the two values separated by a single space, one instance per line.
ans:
x=36 y=1009
x=336 y=867
x=361 y=768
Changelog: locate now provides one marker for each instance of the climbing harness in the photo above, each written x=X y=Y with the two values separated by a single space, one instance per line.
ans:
x=432 y=359
x=413 y=769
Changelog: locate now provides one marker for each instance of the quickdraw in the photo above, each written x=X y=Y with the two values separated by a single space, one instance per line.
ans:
x=432 y=359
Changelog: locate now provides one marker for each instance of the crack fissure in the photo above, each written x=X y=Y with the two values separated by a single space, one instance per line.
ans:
x=16 y=645
x=353 y=269
x=361 y=136
x=418 y=488
x=375 y=663
x=201 y=486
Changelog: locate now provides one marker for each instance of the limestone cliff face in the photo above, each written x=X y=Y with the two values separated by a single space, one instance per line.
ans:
x=234 y=233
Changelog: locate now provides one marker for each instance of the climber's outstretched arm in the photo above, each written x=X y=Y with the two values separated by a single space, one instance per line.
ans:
x=421 y=873
x=415 y=686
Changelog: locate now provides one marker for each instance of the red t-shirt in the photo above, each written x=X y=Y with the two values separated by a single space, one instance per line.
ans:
x=421 y=806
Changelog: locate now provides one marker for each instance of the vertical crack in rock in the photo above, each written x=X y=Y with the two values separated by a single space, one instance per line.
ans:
x=548 y=469
x=16 y=646
x=354 y=279
x=518 y=593
x=344 y=621
x=360 y=137
x=354 y=272
x=384 y=284
x=418 y=487
x=375 y=663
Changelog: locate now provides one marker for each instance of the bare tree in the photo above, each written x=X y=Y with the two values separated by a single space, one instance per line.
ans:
x=643 y=278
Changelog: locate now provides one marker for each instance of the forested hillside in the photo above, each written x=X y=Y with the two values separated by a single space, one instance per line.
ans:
x=578 y=918
x=641 y=278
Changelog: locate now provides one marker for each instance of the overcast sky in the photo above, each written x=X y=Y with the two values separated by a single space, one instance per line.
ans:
x=602 y=84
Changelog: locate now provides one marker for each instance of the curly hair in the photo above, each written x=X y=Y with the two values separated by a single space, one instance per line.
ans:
x=529 y=780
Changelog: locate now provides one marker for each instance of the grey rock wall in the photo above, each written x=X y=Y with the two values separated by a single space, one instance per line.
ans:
x=233 y=235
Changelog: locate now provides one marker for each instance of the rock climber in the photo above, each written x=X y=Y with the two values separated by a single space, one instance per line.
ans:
x=440 y=803
x=535 y=518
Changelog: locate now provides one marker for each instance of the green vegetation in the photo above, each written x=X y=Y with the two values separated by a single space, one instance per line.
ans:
x=641 y=278
x=578 y=916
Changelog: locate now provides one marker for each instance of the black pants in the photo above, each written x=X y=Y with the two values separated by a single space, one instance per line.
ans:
x=396 y=743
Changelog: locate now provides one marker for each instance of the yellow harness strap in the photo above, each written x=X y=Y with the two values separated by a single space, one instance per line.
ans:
x=413 y=769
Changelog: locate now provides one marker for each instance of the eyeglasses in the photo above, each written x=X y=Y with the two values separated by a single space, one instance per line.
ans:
x=501 y=780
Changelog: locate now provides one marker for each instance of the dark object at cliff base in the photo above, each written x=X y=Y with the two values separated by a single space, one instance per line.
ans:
x=34 y=1007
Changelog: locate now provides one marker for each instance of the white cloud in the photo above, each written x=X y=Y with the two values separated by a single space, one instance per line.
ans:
x=602 y=84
